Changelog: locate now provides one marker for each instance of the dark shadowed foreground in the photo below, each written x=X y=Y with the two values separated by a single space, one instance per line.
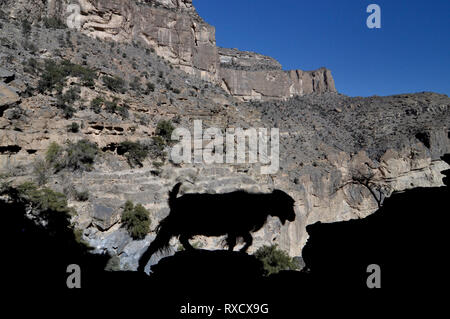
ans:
x=407 y=238
x=235 y=214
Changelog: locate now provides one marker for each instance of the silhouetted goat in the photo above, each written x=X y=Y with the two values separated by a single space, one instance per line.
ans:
x=235 y=214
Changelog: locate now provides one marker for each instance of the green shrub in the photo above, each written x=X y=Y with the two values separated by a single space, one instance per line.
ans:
x=76 y=156
x=55 y=74
x=61 y=41
x=49 y=212
x=157 y=148
x=26 y=28
x=135 y=85
x=54 y=151
x=158 y=165
x=44 y=199
x=71 y=95
x=111 y=106
x=52 y=76
x=69 y=189
x=31 y=66
x=42 y=170
x=164 y=128
x=123 y=111
x=68 y=112
x=80 y=155
x=96 y=104
x=81 y=196
x=150 y=87
x=74 y=127
x=136 y=219
x=114 y=84
x=274 y=260
x=64 y=101
x=135 y=152
x=86 y=75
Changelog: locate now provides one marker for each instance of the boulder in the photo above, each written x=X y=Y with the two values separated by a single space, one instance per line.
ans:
x=7 y=97
x=104 y=216
x=6 y=75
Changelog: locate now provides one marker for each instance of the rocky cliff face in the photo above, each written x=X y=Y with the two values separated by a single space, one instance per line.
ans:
x=8 y=96
x=251 y=76
x=171 y=27
x=339 y=156
x=176 y=32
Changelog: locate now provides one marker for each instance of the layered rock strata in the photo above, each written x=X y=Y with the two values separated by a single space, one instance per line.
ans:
x=176 y=32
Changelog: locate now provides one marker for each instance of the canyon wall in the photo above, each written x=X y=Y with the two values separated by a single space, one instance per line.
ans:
x=178 y=34
x=251 y=76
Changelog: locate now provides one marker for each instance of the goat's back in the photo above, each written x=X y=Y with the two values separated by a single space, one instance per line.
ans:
x=218 y=213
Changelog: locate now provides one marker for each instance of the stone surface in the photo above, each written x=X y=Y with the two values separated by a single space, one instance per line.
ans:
x=252 y=76
x=262 y=85
x=244 y=60
x=6 y=75
x=7 y=97
x=104 y=216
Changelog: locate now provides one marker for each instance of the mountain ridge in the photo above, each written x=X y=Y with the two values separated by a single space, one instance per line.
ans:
x=178 y=34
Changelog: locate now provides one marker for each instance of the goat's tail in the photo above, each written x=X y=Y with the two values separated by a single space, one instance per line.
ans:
x=173 y=195
x=161 y=242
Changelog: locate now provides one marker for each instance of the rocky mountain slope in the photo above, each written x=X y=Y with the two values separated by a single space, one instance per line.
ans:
x=106 y=83
x=178 y=34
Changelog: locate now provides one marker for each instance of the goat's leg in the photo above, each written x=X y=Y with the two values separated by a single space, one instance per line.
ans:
x=144 y=259
x=184 y=239
x=248 y=238
x=231 y=241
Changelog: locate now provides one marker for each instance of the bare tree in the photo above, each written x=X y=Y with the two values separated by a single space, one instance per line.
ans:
x=367 y=179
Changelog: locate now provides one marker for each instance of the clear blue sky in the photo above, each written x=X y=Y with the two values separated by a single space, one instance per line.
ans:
x=410 y=53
